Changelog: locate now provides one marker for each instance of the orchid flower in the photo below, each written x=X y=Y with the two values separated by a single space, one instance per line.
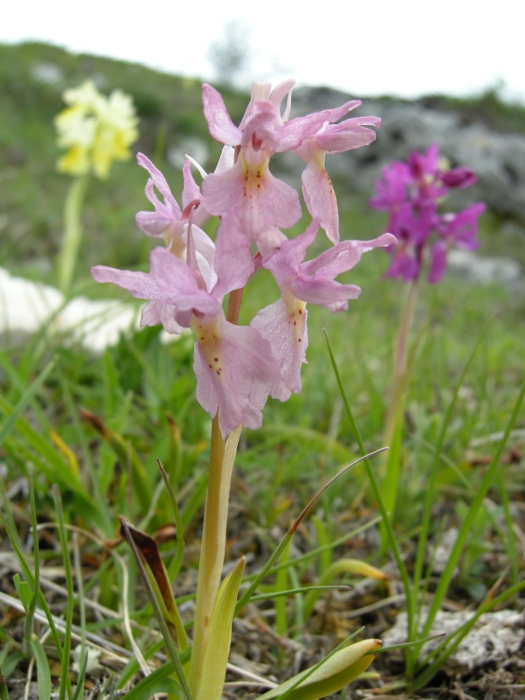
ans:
x=412 y=193
x=237 y=368
x=234 y=366
x=263 y=202
x=283 y=323
x=318 y=190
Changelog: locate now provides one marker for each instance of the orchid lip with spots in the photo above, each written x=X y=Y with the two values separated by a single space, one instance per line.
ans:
x=239 y=367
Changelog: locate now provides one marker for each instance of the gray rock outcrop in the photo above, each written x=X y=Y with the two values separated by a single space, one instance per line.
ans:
x=498 y=159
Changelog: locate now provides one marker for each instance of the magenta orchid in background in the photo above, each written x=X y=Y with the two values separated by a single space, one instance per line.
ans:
x=237 y=368
x=411 y=193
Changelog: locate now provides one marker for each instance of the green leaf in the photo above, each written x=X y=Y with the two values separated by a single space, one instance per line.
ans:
x=24 y=591
x=42 y=669
x=335 y=673
x=9 y=662
x=159 y=677
x=26 y=398
x=218 y=648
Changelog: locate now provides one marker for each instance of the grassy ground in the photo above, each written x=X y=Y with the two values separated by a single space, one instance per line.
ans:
x=96 y=425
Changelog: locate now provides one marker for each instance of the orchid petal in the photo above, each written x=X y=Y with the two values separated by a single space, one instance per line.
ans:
x=320 y=198
x=294 y=132
x=156 y=312
x=235 y=372
x=284 y=264
x=219 y=122
x=352 y=133
x=159 y=181
x=324 y=292
x=233 y=258
x=152 y=224
x=191 y=191
x=283 y=325
x=262 y=126
x=344 y=256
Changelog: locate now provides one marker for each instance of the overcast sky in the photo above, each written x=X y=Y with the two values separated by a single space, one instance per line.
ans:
x=402 y=47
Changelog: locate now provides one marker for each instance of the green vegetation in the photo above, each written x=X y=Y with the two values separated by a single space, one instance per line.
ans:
x=95 y=425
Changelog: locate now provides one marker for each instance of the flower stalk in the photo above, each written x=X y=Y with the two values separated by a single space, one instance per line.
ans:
x=213 y=545
x=72 y=232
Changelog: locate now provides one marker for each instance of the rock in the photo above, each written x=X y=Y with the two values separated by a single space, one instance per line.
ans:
x=478 y=270
x=48 y=73
x=26 y=307
x=494 y=637
x=497 y=159
x=440 y=555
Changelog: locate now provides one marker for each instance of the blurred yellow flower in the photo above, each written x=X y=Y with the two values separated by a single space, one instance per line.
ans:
x=95 y=129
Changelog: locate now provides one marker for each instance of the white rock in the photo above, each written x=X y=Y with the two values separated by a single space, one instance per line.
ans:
x=96 y=324
x=481 y=270
x=26 y=307
x=494 y=637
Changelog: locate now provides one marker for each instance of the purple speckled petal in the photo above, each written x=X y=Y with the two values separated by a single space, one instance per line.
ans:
x=235 y=371
x=283 y=325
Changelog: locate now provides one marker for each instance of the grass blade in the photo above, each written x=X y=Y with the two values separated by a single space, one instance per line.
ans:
x=25 y=399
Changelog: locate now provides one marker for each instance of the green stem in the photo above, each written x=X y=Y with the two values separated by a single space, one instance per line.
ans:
x=390 y=464
x=400 y=363
x=213 y=545
x=65 y=682
x=72 y=233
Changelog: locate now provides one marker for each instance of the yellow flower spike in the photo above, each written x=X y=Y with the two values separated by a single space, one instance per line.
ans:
x=95 y=129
